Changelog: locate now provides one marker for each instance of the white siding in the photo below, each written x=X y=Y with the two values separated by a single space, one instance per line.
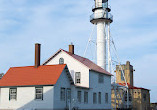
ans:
x=96 y=87
x=89 y=79
x=26 y=99
x=73 y=66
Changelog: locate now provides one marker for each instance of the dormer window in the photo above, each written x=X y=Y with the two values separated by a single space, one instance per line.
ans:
x=78 y=77
x=61 y=61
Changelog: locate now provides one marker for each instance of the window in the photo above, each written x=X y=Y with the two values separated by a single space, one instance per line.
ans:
x=101 y=78
x=12 y=94
x=106 y=97
x=99 y=97
x=61 y=61
x=78 y=77
x=79 y=96
x=62 y=94
x=69 y=94
x=86 y=97
x=122 y=78
x=144 y=97
x=104 y=4
x=94 y=98
x=129 y=98
x=39 y=93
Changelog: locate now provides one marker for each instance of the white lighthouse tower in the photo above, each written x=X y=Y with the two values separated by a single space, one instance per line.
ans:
x=102 y=18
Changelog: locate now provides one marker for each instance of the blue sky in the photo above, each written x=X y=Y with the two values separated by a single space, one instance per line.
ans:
x=56 y=24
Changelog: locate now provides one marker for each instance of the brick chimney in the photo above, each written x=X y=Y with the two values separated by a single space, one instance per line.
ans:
x=37 y=55
x=71 y=48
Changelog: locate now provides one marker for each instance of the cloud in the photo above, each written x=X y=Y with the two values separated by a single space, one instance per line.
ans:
x=56 y=24
x=145 y=74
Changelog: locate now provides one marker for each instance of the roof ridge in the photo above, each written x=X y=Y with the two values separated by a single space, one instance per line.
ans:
x=75 y=54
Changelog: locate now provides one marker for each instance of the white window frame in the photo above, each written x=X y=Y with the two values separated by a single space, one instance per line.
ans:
x=39 y=93
x=78 y=77
x=61 y=61
x=13 y=94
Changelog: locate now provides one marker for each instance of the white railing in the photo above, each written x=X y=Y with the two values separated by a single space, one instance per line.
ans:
x=95 y=16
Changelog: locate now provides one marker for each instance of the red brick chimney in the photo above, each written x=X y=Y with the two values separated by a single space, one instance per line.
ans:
x=37 y=55
x=71 y=48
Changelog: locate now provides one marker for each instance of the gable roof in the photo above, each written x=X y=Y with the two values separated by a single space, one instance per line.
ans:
x=91 y=65
x=26 y=76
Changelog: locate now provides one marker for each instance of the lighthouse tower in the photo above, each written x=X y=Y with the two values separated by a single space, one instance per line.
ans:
x=102 y=18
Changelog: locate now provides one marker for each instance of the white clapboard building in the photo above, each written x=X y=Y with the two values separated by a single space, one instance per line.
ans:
x=64 y=81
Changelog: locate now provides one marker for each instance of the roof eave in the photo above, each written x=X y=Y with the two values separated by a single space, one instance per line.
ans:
x=45 y=62
x=27 y=85
x=101 y=72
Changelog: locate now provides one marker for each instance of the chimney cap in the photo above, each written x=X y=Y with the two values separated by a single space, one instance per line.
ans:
x=37 y=44
x=71 y=43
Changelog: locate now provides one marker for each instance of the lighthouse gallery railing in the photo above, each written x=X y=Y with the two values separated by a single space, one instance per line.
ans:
x=104 y=15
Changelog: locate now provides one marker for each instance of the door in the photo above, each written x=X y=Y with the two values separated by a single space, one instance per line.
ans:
x=68 y=97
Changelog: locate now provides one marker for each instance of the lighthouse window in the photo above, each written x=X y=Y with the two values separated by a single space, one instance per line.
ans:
x=61 y=61
x=105 y=3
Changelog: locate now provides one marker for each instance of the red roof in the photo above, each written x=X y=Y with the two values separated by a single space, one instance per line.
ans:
x=25 y=76
x=132 y=87
x=91 y=65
